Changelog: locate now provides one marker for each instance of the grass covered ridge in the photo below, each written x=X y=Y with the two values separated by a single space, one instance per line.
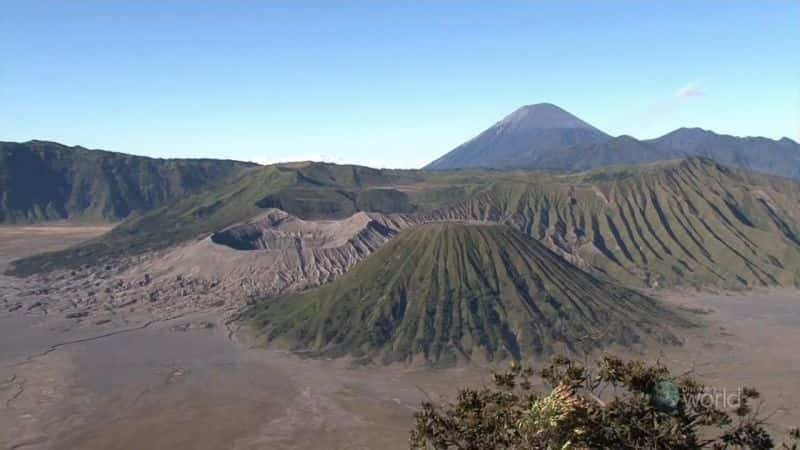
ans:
x=449 y=292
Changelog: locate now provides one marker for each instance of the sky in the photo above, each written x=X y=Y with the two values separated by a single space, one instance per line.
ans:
x=385 y=83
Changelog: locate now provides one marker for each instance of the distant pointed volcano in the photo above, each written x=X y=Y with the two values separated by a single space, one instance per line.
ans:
x=542 y=116
x=544 y=136
x=521 y=139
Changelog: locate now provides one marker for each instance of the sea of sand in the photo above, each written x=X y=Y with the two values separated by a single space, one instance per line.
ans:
x=190 y=382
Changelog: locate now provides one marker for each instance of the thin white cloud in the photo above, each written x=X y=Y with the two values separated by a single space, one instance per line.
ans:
x=320 y=157
x=316 y=157
x=691 y=90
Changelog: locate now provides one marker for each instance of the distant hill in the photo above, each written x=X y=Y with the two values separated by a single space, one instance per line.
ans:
x=42 y=181
x=306 y=190
x=451 y=292
x=690 y=222
x=544 y=136
x=781 y=157
x=522 y=140
x=623 y=150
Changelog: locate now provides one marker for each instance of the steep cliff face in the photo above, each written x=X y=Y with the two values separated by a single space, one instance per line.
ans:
x=42 y=181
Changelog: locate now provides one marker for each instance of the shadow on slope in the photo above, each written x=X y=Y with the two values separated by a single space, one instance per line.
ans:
x=445 y=293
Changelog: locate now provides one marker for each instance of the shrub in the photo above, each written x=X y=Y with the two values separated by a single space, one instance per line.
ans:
x=616 y=405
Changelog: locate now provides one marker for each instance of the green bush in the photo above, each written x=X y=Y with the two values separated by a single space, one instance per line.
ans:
x=616 y=405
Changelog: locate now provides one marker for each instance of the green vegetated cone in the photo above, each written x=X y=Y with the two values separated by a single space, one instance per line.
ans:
x=449 y=292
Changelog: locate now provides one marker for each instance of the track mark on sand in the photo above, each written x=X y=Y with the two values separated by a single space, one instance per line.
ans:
x=57 y=346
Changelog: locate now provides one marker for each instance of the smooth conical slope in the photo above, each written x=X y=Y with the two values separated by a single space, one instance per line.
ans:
x=521 y=139
x=543 y=116
x=446 y=292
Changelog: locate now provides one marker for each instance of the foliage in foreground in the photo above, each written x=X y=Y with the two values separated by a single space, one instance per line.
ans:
x=617 y=405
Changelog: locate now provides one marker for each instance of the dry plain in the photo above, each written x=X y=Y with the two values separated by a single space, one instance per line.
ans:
x=190 y=382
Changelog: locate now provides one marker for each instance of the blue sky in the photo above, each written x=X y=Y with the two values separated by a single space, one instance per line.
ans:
x=385 y=83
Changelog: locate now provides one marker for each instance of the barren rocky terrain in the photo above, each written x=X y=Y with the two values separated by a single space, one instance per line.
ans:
x=175 y=376
x=271 y=254
x=182 y=380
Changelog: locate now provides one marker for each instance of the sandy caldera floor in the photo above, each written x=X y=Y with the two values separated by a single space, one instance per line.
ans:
x=184 y=383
